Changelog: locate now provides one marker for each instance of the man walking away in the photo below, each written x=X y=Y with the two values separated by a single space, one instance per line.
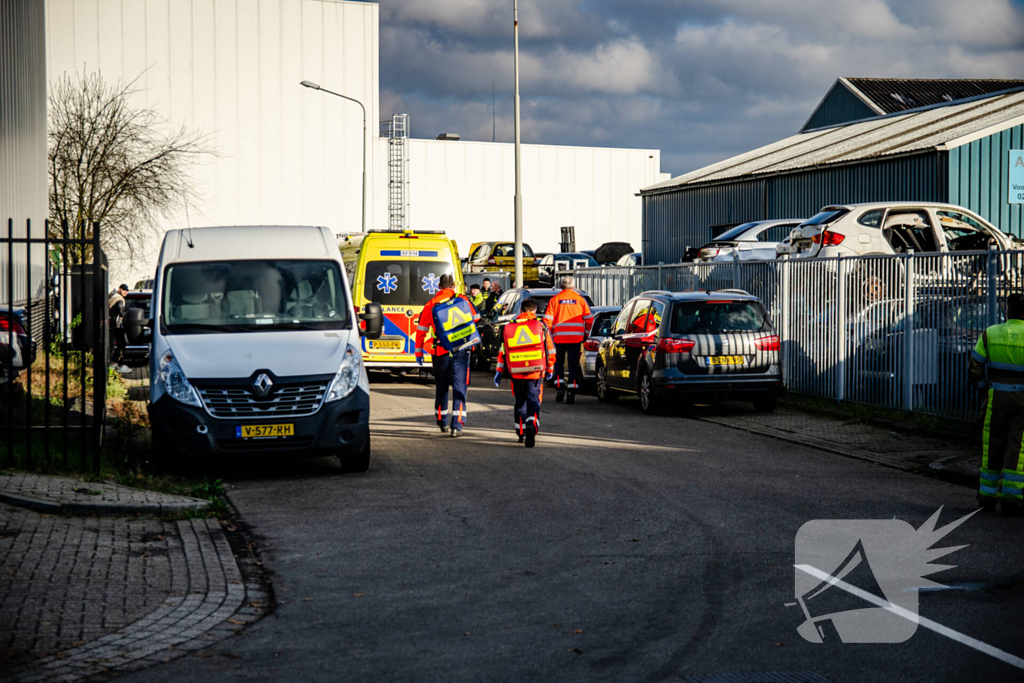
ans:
x=529 y=355
x=569 y=318
x=997 y=368
x=451 y=368
x=116 y=309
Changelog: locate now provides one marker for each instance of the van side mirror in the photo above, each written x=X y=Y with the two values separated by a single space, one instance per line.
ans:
x=373 y=316
x=136 y=326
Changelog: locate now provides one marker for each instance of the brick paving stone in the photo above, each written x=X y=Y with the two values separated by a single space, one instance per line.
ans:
x=65 y=494
x=95 y=597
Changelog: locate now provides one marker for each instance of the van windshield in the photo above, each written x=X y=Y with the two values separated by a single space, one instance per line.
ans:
x=403 y=283
x=239 y=296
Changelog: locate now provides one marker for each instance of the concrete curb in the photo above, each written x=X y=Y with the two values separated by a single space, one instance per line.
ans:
x=936 y=470
x=117 y=509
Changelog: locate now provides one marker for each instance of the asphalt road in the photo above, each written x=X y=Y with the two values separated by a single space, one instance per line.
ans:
x=622 y=548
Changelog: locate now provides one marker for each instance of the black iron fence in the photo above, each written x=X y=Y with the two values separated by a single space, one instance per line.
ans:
x=53 y=371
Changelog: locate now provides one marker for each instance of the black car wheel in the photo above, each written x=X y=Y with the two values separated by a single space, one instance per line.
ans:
x=356 y=462
x=645 y=390
x=605 y=394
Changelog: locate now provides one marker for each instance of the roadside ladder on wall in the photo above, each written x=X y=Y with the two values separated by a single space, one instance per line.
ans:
x=397 y=132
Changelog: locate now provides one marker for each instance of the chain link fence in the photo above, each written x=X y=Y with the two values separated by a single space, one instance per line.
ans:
x=891 y=331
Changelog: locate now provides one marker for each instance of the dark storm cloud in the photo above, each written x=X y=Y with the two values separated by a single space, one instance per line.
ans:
x=701 y=80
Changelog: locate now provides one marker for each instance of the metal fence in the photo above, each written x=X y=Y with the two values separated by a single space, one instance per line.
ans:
x=892 y=331
x=53 y=373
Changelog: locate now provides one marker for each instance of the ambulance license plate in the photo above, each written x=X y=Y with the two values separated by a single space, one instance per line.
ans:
x=264 y=431
x=387 y=345
x=725 y=360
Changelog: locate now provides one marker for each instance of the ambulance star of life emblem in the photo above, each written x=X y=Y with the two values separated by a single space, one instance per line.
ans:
x=858 y=579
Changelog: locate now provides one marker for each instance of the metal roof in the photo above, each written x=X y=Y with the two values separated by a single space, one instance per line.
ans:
x=938 y=127
x=891 y=95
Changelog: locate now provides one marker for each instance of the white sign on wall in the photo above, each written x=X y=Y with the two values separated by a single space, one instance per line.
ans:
x=1016 y=195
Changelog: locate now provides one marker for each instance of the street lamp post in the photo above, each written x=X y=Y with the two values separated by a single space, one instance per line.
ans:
x=316 y=86
x=519 y=196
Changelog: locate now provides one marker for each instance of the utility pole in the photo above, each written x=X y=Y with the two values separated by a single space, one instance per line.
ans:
x=519 y=196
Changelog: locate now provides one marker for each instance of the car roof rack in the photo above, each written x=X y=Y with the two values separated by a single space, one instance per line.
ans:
x=731 y=291
x=655 y=291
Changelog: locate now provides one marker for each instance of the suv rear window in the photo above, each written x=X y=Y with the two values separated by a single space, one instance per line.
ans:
x=716 y=317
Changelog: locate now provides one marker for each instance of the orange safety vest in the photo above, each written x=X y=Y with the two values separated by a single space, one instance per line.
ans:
x=526 y=352
x=568 y=317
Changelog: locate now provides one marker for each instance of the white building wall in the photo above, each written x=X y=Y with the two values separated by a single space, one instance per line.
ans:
x=467 y=190
x=231 y=69
x=23 y=195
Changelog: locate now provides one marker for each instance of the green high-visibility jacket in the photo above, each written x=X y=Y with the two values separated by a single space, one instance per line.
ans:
x=997 y=361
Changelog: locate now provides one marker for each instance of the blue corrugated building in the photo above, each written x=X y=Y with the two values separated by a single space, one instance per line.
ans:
x=955 y=152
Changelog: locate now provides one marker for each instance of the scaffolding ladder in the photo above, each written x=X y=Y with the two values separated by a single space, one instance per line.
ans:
x=397 y=132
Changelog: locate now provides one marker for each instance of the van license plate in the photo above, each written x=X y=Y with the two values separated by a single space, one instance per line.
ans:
x=264 y=431
x=725 y=360
x=387 y=345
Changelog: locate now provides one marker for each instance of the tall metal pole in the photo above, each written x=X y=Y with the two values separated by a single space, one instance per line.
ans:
x=315 y=86
x=519 y=196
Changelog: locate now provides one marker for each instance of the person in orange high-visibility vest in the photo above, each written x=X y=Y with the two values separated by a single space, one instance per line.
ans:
x=451 y=370
x=569 y=318
x=529 y=356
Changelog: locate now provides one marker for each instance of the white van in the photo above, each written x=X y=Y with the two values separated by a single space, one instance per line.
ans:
x=255 y=346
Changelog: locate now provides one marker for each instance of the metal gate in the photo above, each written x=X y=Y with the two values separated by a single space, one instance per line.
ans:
x=53 y=346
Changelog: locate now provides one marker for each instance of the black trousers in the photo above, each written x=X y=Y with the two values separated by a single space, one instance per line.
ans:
x=572 y=351
x=528 y=393
x=451 y=371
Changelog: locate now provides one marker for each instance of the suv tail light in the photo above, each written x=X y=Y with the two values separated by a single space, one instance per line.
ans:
x=708 y=253
x=769 y=343
x=591 y=345
x=827 y=238
x=492 y=261
x=670 y=345
x=9 y=322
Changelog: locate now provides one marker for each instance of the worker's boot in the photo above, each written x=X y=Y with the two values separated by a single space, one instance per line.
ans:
x=522 y=438
x=570 y=398
x=443 y=426
x=531 y=438
x=559 y=395
x=1008 y=509
x=987 y=503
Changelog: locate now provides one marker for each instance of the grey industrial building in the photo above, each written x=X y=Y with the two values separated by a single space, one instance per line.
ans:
x=955 y=151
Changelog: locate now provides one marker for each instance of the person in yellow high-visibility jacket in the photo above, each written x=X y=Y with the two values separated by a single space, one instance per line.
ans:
x=997 y=369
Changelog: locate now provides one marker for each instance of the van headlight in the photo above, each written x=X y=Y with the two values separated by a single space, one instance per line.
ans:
x=175 y=383
x=348 y=376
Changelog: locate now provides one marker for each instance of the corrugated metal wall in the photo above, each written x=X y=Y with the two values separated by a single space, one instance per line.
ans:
x=839 y=106
x=674 y=221
x=915 y=178
x=231 y=69
x=979 y=179
x=23 y=193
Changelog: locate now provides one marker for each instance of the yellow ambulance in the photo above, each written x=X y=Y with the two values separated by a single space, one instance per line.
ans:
x=401 y=271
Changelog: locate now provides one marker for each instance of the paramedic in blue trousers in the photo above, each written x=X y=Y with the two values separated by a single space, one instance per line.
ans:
x=451 y=369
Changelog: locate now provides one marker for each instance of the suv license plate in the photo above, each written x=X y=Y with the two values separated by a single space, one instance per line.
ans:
x=264 y=431
x=725 y=360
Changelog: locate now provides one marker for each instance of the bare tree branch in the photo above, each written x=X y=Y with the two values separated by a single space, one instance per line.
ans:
x=115 y=164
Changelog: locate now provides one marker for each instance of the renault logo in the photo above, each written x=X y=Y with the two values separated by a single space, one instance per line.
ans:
x=263 y=384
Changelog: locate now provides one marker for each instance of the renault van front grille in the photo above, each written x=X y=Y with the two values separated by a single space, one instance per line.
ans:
x=299 y=400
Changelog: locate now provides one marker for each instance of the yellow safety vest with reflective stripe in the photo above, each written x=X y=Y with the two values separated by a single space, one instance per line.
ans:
x=1000 y=355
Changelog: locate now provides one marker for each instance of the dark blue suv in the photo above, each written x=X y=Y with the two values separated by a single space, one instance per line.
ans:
x=667 y=347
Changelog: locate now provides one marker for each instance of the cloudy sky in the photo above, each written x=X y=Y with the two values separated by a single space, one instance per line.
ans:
x=699 y=79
